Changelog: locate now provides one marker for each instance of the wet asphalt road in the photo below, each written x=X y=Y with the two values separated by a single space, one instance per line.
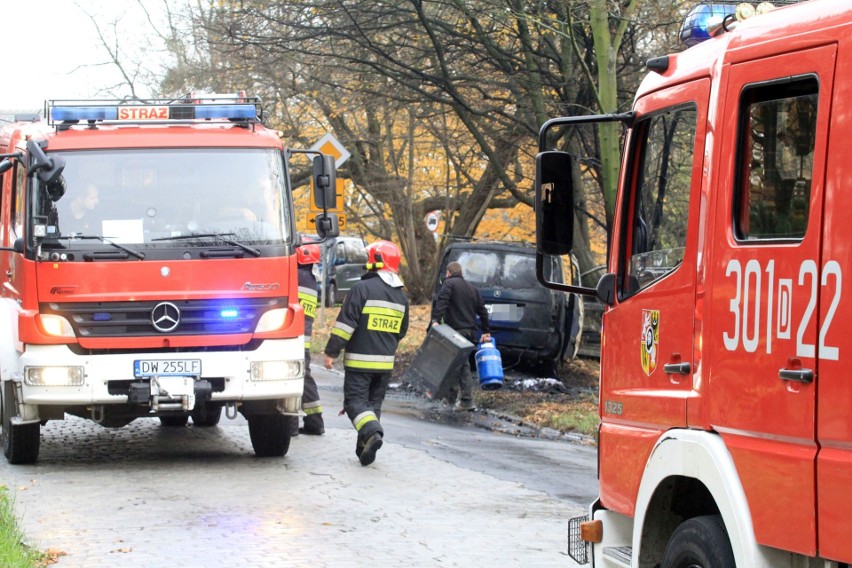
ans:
x=447 y=489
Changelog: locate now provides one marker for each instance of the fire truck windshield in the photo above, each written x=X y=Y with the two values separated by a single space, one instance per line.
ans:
x=158 y=197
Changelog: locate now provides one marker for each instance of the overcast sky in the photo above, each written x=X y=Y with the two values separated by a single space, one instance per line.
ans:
x=53 y=51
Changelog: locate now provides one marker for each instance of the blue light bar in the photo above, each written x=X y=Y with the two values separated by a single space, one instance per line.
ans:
x=62 y=114
x=696 y=26
x=234 y=112
x=229 y=313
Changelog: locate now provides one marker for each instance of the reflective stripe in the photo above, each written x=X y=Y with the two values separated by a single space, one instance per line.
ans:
x=364 y=418
x=304 y=291
x=383 y=311
x=388 y=305
x=343 y=330
x=308 y=344
x=312 y=407
x=368 y=362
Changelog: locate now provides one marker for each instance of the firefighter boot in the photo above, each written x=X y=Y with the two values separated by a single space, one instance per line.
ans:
x=371 y=446
x=314 y=425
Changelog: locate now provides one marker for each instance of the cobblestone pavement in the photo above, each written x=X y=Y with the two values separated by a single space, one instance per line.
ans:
x=149 y=496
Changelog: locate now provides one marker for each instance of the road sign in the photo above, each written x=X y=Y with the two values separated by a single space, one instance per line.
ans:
x=312 y=222
x=337 y=206
x=330 y=146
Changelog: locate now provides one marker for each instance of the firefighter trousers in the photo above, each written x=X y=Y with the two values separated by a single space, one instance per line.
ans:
x=363 y=394
x=311 y=404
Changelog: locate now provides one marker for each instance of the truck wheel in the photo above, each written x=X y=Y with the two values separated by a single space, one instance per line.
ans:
x=20 y=442
x=700 y=542
x=174 y=421
x=270 y=434
x=207 y=415
x=330 y=295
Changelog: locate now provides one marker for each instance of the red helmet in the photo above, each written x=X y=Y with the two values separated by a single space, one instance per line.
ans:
x=308 y=254
x=383 y=255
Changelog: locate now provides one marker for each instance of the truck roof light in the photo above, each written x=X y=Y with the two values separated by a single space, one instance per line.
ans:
x=193 y=108
x=76 y=113
x=709 y=18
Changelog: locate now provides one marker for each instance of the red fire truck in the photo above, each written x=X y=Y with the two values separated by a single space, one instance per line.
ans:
x=147 y=253
x=725 y=435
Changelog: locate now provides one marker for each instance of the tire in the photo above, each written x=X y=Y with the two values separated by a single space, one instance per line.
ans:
x=20 y=442
x=270 y=434
x=700 y=542
x=207 y=415
x=330 y=294
x=174 y=421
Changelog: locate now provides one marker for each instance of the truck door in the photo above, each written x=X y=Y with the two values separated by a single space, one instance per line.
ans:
x=767 y=280
x=834 y=344
x=648 y=345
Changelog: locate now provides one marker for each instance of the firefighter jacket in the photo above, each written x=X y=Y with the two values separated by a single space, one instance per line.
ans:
x=458 y=304
x=372 y=321
x=308 y=300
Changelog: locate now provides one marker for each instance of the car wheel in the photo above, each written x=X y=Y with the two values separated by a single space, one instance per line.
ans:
x=270 y=434
x=21 y=441
x=331 y=295
x=699 y=542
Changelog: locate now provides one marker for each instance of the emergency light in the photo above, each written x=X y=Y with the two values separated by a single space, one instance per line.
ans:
x=708 y=18
x=194 y=108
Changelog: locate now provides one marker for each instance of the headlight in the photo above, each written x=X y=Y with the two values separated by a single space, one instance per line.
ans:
x=54 y=376
x=56 y=326
x=272 y=320
x=277 y=370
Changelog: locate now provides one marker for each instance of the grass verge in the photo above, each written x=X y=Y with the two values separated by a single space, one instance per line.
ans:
x=13 y=553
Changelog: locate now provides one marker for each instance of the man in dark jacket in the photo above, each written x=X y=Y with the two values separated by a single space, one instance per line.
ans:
x=371 y=322
x=458 y=303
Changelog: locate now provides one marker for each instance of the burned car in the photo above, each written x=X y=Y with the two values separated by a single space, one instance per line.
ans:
x=531 y=325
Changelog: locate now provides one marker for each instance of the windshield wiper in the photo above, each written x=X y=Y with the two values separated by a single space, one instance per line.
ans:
x=221 y=236
x=136 y=253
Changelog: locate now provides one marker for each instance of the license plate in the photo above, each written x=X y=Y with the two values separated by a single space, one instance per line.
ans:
x=166 y=367
x=505 y=312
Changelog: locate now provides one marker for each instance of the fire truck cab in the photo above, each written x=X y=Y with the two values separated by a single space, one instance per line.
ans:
x=149 y=270
x=726 y=434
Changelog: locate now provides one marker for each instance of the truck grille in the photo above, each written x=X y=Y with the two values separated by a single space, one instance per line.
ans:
x=218 y=316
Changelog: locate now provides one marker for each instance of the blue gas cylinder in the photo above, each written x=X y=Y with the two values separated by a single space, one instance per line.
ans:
x=489 y=366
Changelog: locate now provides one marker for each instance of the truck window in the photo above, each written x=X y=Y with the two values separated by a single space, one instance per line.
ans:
x=146 y=196
x=662 y=196
x=775 y=160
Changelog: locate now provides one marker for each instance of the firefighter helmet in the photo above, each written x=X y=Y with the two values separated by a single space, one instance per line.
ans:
x=308 y=254
x=383 y=255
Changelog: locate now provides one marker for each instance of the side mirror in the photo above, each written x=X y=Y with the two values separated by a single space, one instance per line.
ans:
x=47 y=168
x=325 y=182
x=554 y=202
x=5 y=165
x=327 y=225
x=56 y=189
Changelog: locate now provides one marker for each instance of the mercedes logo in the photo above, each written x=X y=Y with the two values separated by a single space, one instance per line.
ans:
x=165 y=317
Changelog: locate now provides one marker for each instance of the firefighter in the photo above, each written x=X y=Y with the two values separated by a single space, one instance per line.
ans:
x=308 y=255
x=372 y=321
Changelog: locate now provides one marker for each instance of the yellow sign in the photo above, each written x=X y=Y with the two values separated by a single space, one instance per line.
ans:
x=312 y=222
x=338 y=198
x=329 y=146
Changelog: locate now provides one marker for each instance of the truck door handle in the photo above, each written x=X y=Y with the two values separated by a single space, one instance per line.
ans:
x=677 y=368
x=798 y=375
